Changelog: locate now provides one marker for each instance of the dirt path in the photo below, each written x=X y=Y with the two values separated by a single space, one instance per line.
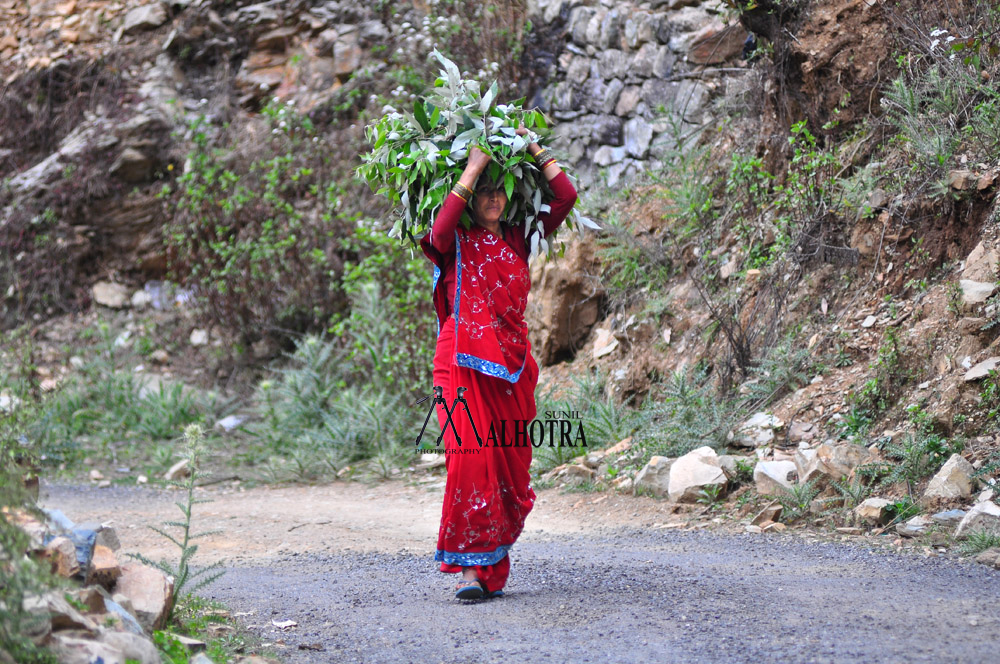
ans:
x=596 y=578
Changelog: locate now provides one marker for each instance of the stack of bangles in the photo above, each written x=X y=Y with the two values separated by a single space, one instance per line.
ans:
x=462 y=191
x=543 y=158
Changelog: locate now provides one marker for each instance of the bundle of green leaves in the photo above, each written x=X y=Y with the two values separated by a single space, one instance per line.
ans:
x=417 y=157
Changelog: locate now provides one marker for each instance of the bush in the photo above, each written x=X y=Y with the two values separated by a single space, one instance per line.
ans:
x=689 y=415
x=256 y=225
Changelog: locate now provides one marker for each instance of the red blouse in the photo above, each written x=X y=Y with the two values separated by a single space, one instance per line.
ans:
x=441 y=239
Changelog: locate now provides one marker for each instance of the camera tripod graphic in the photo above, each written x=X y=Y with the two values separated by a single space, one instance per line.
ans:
x=439 y=400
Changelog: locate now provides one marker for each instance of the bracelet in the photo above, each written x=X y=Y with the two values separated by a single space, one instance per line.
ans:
x=462 y=191
x=548 y=162
x=541 y=155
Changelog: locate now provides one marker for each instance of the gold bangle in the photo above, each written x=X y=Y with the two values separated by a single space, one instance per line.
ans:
x=462 y=191
x=548 y=162
x=454 y=190
x=541 y=155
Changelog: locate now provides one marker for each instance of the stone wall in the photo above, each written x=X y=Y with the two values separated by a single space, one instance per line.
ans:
x=632 y=76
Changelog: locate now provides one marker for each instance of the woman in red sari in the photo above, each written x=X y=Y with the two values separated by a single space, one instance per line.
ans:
x=481 y=284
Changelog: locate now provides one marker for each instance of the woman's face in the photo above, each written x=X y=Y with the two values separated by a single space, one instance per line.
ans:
x=488 y=204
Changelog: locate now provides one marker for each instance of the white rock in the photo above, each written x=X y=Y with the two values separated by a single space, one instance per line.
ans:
x=134 y=647
x=983 y=517
x=954 y=480
x=655 y=476
x=144 y=18
x=976 y=292
x=110 y=295
x=868 y=321
x=982 y=369
x=8 y=402
x=773 y=477
x=693 y=472
x=604 y=343
x=914 y=527
x=227 y=424
x=829 y=461
x=141 y=299
x=984 y=495
x=199 y=337
x=69 y=649
x=757 y=431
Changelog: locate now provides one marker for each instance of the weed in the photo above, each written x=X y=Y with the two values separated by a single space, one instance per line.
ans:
x=979 y=541
x=711 y=496
x=186 y=578
x=853 y=492
x=796 y=500
x=687 y=416
x=783 y=369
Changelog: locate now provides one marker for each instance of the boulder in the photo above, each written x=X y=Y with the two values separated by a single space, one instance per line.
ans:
x=954 y=480
x=874 y=511
x=829 y=461
x=981 y=265
x=983 y=517
x=774 y=477
x=149 y=591
x=655 y=476
x=61 y=615
x=71 y=649
x=565 y=303
x=693 y=472
x=949 y=518
x=757 y=431
x=134 y=648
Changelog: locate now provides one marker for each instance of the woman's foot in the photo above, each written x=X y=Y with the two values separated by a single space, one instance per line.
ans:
x=470 y=589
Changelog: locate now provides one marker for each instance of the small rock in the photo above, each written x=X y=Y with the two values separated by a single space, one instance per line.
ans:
x=177 y=471
x=774 y=477
x=160 y=356
x=847 y=530
x=756 y=530
x=141 y=299
x=229 y=423
x=774 y=526
x=605 y=343
x=61 y=554
x=104 y=569
x=962 y=179
x=619 y=447
x=989 y=557
x=70 y=649
x=976 y=292
x=982 y=369
x=768 y=514
x=96 y=475
x=133 y=647
x=144 y=18
x=949 y=518
x=104 y=484
x=914 y=527
x=110 y=295
x=874 y=511
x=869 y=321
x=954 y=480
x=199 y=337
x=758 y=431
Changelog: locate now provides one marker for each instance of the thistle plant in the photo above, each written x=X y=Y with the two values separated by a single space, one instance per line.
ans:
x=417 y=156
x=184 y=576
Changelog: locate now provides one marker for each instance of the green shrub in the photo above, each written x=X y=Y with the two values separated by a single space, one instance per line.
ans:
x=689 y=414
x=255 y=225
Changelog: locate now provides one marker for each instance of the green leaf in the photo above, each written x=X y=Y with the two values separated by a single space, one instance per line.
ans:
x=420 y=113
x=509 y=185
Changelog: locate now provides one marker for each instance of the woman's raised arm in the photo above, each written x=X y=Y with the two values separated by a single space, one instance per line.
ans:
x=443 y=230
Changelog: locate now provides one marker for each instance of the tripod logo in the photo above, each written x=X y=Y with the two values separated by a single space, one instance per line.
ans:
x=439 y=400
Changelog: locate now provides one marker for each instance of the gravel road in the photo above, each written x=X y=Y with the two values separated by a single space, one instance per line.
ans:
x=603 y=593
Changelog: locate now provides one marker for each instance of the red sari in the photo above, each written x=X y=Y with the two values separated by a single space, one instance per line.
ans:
x=481 y=284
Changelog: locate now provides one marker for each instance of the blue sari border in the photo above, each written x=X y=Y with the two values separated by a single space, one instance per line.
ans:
x=479 y=559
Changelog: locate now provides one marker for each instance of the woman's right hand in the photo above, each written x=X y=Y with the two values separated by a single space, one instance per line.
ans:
x=478 y=160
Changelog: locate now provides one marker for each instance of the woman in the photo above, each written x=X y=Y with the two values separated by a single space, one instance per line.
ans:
x=481 y=283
